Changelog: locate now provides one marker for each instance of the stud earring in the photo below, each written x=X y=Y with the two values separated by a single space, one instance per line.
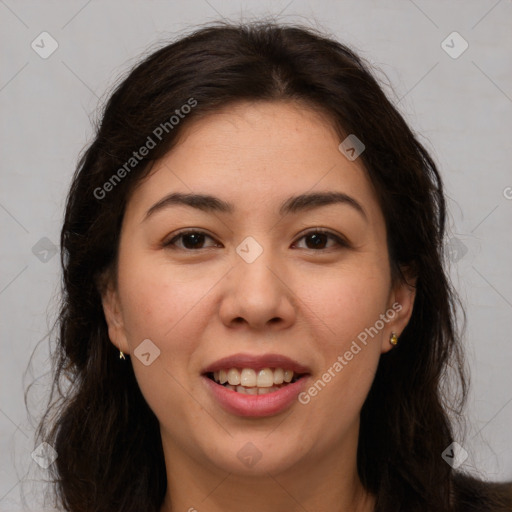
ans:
x=121 y=355
x=393 y=339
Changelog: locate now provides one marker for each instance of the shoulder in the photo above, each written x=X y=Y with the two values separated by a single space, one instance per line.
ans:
x=474 y=495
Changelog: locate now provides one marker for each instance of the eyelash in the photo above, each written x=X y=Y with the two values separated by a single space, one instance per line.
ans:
x=339 y=241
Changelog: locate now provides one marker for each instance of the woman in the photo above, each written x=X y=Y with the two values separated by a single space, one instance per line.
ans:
x=255 y=312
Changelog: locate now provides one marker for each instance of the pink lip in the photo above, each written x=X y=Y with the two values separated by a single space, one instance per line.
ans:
x=256 y=363
x=255 y=405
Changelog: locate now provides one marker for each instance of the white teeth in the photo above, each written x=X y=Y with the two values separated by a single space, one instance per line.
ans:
x=265 y=378
x=233 y=377
x=248 y=377
x=252 y=391
x=278 y=376
x=288 y=375
x=247 y=391
x=251 y=382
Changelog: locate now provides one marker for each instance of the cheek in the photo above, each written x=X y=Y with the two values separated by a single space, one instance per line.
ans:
x=346 y=309
x=156 y=299
x=335 y=401
x=345 y=302
x=164 y=309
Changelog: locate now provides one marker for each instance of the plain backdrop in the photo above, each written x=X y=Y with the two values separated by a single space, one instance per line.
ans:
x=460 y=104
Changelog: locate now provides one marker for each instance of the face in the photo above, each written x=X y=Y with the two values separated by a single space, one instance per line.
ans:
x=257 y=277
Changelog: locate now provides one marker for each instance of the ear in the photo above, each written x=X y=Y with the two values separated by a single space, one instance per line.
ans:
x=401 y=302
x=114 y=317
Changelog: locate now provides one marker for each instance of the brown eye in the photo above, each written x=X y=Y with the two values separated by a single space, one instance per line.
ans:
x=193 y=240
x=190 y=240
x=318 y=239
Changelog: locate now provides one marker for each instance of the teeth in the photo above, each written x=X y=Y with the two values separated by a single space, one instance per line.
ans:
x=252 y=391
x=265 y=378
x=288 y=375
x=223 y=377
x=248 y=377
x=253 y=382
x=233 y=377
x=247 y=391
x=278 y=376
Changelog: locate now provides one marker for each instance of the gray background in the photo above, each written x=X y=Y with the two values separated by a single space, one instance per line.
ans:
x=461 y=107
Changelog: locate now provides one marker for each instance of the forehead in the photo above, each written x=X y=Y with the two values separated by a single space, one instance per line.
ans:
x=256 y=155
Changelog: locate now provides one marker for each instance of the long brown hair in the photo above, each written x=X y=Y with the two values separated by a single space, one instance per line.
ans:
x=108 y=442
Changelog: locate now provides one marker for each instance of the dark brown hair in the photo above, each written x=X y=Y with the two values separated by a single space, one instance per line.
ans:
x=108 y=442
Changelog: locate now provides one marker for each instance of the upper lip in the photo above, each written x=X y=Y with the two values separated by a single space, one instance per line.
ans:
x=256 y=363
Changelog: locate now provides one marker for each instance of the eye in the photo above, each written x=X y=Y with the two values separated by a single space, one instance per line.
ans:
x=318 y=239
x=194 y=239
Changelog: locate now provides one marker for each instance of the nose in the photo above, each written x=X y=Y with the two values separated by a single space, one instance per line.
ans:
x=258 y=295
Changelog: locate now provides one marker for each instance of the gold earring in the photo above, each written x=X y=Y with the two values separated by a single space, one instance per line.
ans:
x=121 y=355
x=393 y=339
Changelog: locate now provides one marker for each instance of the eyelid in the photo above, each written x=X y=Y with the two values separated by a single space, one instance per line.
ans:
x=339 y=239
x=185 y=231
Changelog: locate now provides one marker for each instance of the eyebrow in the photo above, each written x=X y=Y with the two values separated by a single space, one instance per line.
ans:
x=294 y=204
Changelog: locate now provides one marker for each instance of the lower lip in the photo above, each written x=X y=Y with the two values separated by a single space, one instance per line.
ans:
x=256 y=405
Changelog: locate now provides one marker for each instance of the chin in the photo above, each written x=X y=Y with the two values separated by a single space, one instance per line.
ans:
x=255 y=455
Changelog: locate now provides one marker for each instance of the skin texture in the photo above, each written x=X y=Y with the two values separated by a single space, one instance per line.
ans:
x=201 y=304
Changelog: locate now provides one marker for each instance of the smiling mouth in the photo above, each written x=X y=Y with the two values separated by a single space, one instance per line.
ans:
x=251 y=382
